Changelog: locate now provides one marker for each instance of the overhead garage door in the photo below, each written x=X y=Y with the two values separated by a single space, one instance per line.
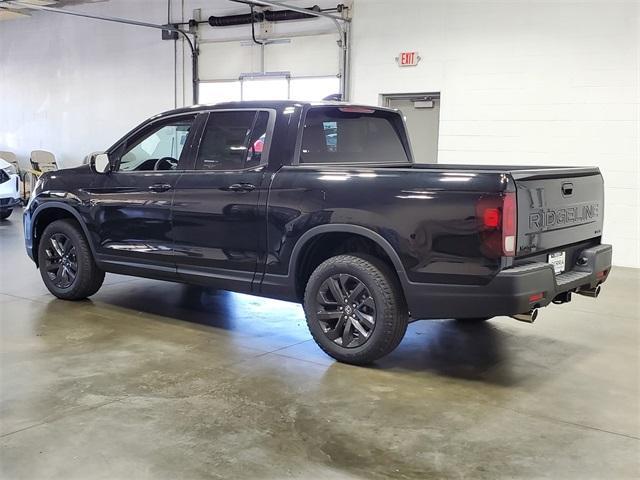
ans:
x=300 y=68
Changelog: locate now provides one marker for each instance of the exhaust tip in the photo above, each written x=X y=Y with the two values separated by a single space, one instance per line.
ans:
x=528 y=317
x=591 y=292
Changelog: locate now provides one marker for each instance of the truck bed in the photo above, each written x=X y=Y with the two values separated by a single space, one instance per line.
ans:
x=517 y=171
x=557 y=206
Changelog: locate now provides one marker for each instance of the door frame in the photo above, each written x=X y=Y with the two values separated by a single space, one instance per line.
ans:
x=384 y=100
x=220 y=277
x=131 y=181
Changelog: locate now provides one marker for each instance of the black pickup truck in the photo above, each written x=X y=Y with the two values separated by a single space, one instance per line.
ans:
x=320 y=204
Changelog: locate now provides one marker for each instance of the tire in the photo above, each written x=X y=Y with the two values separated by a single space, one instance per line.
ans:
x=4 y=214
x=381 y=311
x=65 y=237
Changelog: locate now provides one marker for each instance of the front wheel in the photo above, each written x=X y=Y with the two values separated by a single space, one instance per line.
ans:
x=355 y=308
x=66 y=263
x=4 y=214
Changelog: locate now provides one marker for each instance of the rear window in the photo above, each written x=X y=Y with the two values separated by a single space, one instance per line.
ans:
x=352 y=135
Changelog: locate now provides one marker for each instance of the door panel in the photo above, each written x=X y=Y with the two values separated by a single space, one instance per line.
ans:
x=216 y=227
x=132 y=212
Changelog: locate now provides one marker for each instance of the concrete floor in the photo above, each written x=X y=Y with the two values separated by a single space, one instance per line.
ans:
x=158 y=380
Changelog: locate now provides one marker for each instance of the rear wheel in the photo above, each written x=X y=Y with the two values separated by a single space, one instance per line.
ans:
x=4 y=214
x=65 y=261
x=355 y=309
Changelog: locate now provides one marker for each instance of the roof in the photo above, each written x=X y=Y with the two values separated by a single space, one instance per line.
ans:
x=274 y=104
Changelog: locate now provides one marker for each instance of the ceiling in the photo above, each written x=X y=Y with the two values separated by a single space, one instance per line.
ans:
x=11 y=12
x=219 y=7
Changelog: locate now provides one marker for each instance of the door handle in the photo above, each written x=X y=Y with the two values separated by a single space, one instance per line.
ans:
x=241 y=187
x=160 y=187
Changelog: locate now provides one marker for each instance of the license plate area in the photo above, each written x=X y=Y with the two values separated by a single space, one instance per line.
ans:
x=558 y=261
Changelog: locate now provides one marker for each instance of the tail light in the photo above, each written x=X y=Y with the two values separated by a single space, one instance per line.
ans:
x=509 y=224
x=536 y=297
x=497 y=217
x=354 y=109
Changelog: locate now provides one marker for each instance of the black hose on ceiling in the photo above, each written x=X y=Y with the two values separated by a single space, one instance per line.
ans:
x=271 y=16
x=232 y=20
x=288 y=15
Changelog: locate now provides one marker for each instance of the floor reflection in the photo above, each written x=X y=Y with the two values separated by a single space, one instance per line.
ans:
x=451 y=348
x=484 y=352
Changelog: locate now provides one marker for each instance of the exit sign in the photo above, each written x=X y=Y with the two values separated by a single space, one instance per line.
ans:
x=408 y=59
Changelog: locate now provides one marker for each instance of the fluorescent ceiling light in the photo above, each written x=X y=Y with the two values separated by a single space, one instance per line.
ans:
x=11 y=15
x=37 y=3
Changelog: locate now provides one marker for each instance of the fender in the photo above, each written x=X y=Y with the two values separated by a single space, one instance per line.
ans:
x=346 y=228
x=67 y=208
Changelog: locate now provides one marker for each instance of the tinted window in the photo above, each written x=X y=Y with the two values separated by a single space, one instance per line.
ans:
x=257 y=140
x=352 y=135
x=159 y=149
x=233 y=140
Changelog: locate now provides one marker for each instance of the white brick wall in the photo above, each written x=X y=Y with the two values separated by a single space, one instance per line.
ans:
x=525 y=82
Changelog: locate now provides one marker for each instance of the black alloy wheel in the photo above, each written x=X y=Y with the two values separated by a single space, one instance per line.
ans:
x=355 y=308
x=61 y=261
x=66 y=263
x=346 y=310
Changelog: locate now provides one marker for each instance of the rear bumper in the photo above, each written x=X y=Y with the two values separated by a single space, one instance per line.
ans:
x=510 y=291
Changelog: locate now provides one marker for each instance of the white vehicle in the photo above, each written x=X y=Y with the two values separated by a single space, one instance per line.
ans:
x=9 y=189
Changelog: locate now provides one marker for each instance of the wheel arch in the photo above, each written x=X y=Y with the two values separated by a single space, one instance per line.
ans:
x=306 y=241
x=49 y=212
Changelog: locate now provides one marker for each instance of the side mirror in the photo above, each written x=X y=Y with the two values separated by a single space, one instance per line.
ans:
x=100 y=163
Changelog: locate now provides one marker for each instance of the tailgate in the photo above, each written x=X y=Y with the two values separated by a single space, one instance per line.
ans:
x=558 y=207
